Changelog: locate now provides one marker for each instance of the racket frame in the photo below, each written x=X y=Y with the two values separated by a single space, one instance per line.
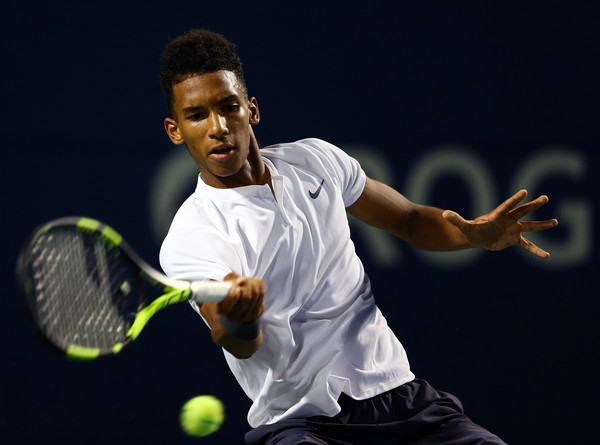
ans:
x=173 y=291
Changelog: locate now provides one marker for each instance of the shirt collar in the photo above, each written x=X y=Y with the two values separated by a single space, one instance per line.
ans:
x=228 y=194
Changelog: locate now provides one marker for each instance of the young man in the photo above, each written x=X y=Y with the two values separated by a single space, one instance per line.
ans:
x=300 y=328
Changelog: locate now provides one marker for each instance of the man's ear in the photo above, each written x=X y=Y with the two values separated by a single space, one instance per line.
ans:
x=172 y=130
x=254 y=112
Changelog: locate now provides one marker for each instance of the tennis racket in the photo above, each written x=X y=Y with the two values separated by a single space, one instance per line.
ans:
x=87 y=290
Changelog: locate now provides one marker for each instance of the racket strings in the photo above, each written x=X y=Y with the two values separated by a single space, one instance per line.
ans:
x=83 y=290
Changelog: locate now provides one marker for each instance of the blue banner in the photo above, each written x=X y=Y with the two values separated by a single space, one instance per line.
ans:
x=455 y=104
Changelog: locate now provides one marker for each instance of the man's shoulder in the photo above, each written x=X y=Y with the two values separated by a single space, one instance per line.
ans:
x=190 y=217
x=302 y=152
x=308 y=144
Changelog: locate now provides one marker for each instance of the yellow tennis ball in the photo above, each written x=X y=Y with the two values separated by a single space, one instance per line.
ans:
x=202 y=415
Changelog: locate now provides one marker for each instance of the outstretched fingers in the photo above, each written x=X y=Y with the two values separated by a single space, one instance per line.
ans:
x=535 y=226
x=511 y=202
x=526 y=209
x=531 y=247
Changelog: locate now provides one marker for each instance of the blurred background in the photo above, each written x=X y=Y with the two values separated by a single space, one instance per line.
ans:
x=456 y=104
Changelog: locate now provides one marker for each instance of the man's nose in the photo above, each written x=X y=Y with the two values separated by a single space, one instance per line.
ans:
x=218 y=125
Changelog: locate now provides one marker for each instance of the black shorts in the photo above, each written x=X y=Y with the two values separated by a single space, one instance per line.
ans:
x=412 y=414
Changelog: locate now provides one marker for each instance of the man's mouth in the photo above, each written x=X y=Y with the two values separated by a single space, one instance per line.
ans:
x=221 y=152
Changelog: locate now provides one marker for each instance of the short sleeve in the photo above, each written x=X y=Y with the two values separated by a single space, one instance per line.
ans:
x=347 y=170
x=202 y=254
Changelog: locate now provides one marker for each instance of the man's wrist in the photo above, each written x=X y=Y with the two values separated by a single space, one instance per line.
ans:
x=244 y=330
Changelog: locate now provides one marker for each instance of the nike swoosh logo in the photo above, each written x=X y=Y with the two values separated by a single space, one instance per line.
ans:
x=314 y=195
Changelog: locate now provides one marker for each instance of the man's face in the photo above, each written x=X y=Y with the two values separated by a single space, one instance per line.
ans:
x=212 y=116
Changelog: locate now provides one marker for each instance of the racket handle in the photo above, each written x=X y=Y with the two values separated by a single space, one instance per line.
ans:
x=209 y=291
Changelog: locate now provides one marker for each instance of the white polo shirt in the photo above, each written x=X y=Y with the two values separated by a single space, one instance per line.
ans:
x=323 y=333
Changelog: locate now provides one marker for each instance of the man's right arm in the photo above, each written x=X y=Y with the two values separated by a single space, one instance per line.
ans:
x=234 y=322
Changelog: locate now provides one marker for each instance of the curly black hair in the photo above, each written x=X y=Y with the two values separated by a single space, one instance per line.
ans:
x=194 y=53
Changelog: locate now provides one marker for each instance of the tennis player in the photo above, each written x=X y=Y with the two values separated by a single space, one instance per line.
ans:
x=300 y=329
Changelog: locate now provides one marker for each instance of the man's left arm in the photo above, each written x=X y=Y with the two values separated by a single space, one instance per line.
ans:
x=431 y=228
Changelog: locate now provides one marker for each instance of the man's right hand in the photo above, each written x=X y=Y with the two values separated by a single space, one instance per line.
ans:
x=244 y=305
x=246 y=299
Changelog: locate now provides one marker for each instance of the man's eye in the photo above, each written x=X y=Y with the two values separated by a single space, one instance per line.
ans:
x=196 y=116
x=230 y=108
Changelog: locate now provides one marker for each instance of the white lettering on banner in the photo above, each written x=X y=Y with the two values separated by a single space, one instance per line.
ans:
x=468 y=166
x=175 y=178
x=383 y=248
x=173 y=181
x=575 y=213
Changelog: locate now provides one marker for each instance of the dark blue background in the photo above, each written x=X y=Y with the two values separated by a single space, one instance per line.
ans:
x=81 y=122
